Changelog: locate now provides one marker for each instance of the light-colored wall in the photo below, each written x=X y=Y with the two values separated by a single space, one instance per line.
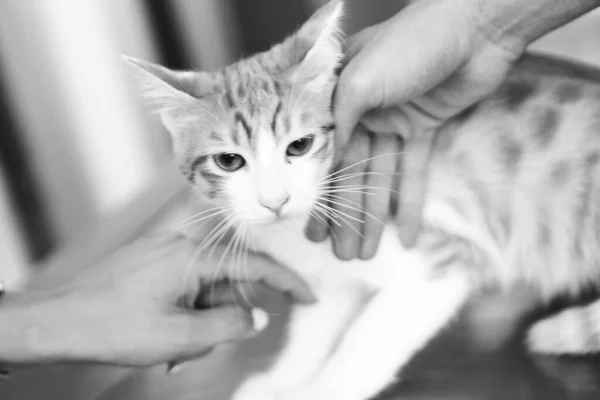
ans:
x=579 y=40
x=13 y=256
x=93 y=146
x=86 y=135
x=211 y=37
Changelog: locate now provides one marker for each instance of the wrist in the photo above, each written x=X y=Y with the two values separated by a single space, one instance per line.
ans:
x=38 y=328
x=514 y=24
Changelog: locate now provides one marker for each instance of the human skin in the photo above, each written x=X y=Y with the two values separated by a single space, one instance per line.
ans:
x=136 y=308
x=407 y=76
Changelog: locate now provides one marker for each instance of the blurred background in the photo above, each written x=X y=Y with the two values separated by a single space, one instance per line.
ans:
x=83 y=166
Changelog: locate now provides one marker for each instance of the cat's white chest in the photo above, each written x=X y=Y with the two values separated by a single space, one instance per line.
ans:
x=317 y=263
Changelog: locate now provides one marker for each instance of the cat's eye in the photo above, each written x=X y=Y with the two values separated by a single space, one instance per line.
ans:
x=229 y=162
x=300 y=147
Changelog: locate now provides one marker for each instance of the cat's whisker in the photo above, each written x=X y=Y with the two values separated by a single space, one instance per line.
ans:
x=354 y=187
x=338 y=197
x=235 y=262
x=214 y=237
x=198 y=251
x=215 y=232
x=361 y=210
x=343 y=213
x=357 y=175
x=350 y=191
x=198 y=214
x=348 y=224
x=231 y=242
x=328 y=213
x=251 y=250
x=319 y=218
x=328 y=199
x=323 y=222
x=243 y=261
x=362 y=189
x=362 y=162
x=204 y=218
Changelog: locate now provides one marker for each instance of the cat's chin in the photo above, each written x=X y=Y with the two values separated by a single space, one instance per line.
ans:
x=286 y=221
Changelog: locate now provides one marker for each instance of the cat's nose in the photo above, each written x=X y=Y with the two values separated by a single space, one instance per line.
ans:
x=275 y=205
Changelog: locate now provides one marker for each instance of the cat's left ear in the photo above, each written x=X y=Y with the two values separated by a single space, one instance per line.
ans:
x=171 y=94
x=322 y=35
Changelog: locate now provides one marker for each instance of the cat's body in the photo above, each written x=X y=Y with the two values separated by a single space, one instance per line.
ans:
x=490 y=220
x=512 y=199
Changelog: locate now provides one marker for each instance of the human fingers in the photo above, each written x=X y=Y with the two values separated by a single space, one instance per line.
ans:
x=350 y=103
x=256 y=269
x=317 y=229
x=196 y=332
x=356 y=42
x=380 y=181
x=413 y=186
x=346 y=197
x=216 y=295
x=275 y=276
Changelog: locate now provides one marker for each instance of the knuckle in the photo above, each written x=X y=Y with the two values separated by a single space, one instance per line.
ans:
x=354 y=83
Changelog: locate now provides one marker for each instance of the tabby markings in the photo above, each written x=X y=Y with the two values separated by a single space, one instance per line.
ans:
x=191 y=173
x=547 y=126
x=517 y=93
x=583 y=208
x=568 y=93
x=241 y=120
x=275 y=117
x=560 y=173
x=512 y=154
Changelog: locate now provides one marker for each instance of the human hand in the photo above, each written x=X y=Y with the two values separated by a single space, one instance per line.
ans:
x=408 y=75
x=361 y=196
x=134 y=308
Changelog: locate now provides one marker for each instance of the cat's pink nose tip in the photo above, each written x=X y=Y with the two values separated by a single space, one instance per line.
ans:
x=275 y=206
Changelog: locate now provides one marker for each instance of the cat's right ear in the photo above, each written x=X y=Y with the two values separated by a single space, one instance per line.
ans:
x=170 y=94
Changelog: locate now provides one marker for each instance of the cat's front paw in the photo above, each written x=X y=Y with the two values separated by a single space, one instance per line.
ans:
x=257 y=388
x=553 y=336
x=311 y=392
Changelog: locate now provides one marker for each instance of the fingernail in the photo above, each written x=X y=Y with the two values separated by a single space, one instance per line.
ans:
x=407 y=238
x=311 y=297
x=175 y=367
x=260 y=319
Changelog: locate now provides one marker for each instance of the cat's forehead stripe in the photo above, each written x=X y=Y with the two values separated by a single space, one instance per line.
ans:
x=240 y=120
x=276 y=116
x=227 y=91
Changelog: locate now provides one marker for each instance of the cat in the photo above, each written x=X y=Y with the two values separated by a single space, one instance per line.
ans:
x=512 y=199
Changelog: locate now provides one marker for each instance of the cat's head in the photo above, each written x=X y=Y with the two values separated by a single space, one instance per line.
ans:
x=257 y=135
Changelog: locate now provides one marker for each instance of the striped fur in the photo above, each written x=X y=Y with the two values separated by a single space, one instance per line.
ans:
x=513 y=199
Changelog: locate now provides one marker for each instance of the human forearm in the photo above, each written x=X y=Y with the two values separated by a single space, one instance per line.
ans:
x=516 y=23
x=34 y=328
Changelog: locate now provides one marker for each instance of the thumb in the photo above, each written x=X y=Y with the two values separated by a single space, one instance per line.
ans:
x=202 y=330
x=350 y=103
